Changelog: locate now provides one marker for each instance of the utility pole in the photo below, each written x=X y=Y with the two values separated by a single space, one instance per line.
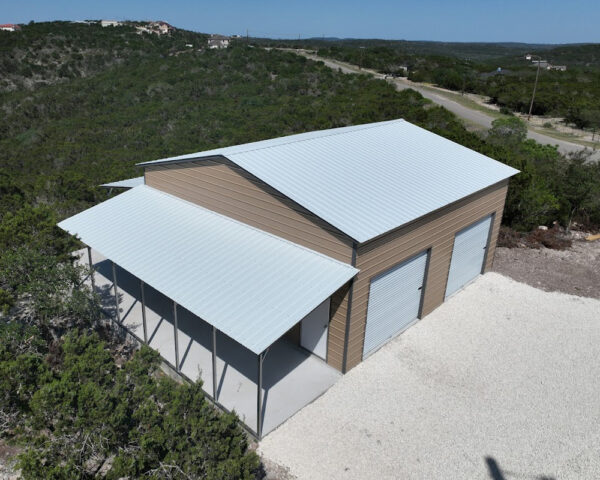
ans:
x=537 y=74
x=247 y=38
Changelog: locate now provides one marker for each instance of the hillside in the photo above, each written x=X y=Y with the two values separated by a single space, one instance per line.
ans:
x=54 y=52
x=573 y=94
x=463 y=50
x=59 y=141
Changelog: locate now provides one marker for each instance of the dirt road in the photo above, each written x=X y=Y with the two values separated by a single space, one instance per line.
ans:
x=474 y=116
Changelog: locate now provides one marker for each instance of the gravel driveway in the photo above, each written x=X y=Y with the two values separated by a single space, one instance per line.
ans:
x=502 y=382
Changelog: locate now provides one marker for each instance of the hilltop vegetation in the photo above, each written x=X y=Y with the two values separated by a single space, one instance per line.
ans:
x=573 y=94
x=53 y=52
x=472 y=67
x=479 y=51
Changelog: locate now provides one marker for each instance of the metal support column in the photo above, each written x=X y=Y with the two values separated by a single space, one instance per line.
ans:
x=116 y=292
x=214 y=362
x=176 y=335
x=259 y=396
x=89 y=249
x=144 y=312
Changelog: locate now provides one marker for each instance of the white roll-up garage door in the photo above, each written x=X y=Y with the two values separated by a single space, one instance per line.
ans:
x=468 y=254
x=394 y=301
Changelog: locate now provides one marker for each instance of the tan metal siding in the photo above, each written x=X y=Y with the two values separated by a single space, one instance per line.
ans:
x=435 y=231
x=221 y=186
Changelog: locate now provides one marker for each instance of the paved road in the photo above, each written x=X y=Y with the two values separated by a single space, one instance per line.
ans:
x=476 y=117
x=499 y=382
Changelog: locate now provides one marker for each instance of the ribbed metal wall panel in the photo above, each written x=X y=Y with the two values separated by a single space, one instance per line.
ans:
x=366 y=180
x=251 y=285
x=468 y=254
x=394 y=301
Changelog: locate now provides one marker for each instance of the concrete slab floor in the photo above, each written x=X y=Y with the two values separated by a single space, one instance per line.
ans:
x=292 y=377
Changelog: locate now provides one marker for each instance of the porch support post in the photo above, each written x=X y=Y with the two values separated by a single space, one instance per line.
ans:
x=116 y=292
x=176 y=329
x=259 y=396
x=214 y=362
x=89 y=249
x=144 y=312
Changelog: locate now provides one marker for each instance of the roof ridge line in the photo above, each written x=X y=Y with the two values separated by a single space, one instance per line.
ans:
x=358 y=127
x=212 y=212
x=199 y=155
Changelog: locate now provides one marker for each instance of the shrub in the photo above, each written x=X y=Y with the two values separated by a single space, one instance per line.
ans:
x=551 y=238
x=509 y=238
x=130 y=421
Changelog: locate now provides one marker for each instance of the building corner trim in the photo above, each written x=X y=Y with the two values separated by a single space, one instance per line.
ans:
x=349 y=311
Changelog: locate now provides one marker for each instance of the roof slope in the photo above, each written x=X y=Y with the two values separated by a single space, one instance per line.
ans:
x=128 y=183
x=249 y=284
x=369 y=179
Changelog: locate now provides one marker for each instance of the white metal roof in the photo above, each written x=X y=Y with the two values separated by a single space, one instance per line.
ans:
x=251 y=285
x=369 y=179
x=129 y=183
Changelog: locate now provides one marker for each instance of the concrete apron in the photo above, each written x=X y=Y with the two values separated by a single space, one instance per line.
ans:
x=292 y=377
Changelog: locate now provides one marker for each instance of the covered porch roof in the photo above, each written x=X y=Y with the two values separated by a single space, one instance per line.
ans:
x=128 y=183
x=250 y=285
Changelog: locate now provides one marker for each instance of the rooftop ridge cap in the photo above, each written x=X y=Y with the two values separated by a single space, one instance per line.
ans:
x=199 y=155
x=331 y=134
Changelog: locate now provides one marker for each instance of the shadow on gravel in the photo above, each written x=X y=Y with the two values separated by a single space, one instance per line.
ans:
x=497 y=474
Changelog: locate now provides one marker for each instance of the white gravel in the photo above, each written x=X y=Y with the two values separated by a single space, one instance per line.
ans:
x=501 y=370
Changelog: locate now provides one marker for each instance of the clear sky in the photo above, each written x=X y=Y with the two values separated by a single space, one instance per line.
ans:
x=532 y=21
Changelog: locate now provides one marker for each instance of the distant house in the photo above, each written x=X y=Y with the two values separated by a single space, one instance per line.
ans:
x=110 y=23
x=161 y=28
x=158 y=27
x=218 y=41
x=142 y=29
x=543 y=63
x=10 y=27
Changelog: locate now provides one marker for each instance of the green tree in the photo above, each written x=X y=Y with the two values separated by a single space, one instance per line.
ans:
x=579 y=186
x=50 y=289
x=510 y=131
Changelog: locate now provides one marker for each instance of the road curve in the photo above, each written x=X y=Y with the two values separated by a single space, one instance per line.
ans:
x=476 y=117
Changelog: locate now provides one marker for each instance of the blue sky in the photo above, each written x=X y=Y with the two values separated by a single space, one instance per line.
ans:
x=534 y=21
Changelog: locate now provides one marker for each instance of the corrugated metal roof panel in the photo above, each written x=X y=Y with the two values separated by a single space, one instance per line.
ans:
x=369 y=179
x=129 y=183
x=249 y=284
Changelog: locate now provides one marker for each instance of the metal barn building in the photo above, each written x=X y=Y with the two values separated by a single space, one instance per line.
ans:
x=306 y=253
